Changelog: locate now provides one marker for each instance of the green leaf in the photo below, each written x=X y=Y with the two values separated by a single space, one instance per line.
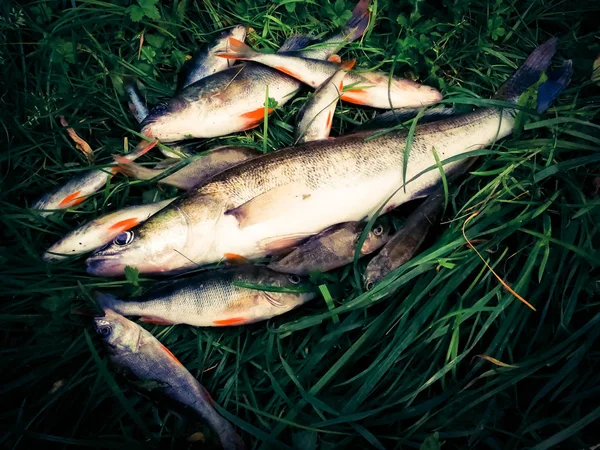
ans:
x=272 y=103
x=135 y=13
x=132 y=275
x=290 y=7
x=155 y=40
x=431 y=442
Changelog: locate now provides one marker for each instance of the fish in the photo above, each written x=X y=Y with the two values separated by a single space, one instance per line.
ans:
x=406 y=242
x=332 y=248
x=137 y=105
x=225 y=102
x=375 y=89
x=198 y=171
x=134 y=351
x=212 y=299
x=101 y=231
x=314 y=48
x=80 y=187
x=395 y=117
x=205 y=62
x=278 y=199
x=316 y=115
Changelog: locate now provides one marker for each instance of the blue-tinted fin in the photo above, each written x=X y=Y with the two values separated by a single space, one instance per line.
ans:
x=557 y=82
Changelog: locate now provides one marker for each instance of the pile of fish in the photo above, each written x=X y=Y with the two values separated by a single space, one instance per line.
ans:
x=303 y=208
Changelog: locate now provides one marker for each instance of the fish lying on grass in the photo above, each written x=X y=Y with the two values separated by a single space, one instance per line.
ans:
x=142 y=357
x=395 y=117
x=198 y=171
x=225 y=102
x=205 y=62
x=79 y=187
x=374 y=89
x=101 y=231
x=317 y=113
x=405 y=243
x=278 y=199
x=212 y=299
x=331 y=248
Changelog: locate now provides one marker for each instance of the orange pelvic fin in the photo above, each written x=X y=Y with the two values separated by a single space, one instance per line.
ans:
x=228 y=322
x=335 y=58
x=155 y=320
x=236 y=259
x=71 y=200
x=124 y=225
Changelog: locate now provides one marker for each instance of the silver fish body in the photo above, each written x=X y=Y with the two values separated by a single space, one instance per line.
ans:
x=213 y=299
x=330 y=249
x=134 y=350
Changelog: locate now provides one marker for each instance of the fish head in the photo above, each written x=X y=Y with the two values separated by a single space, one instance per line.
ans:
x=377 y=237
x=155 y=246
x=121 y=335
x=296 y=290
x=409 y=93
x=173 y=120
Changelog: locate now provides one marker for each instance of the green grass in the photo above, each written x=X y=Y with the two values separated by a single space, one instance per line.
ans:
x=395 y=367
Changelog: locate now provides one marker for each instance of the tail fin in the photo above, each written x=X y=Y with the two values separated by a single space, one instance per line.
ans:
x=134 y=170
x=358 y=22
x=529 y=73
x=237 y=50
x=106 y=301
x=556 y=83
x=296 y=42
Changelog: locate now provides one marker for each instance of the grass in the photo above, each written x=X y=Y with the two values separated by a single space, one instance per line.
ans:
x=437 y=354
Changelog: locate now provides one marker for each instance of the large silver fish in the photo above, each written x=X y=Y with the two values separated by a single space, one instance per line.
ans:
x=228 y=101
x=136 y=351
x=276 y=200
x=212 y=299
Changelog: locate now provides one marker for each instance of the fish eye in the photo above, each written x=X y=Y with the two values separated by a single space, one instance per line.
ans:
x=104 y=329
x=378 y=230
x=124 y=238
x=369 y=285
x=294 y=279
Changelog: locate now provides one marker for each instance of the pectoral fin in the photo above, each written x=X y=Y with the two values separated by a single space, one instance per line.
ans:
x=269 y=205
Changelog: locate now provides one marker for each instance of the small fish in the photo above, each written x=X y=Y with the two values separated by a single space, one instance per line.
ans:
x=198 y=171
x=205 y=62
x=137 y=105
x=80 y=187
x=211 y=299
x=331 y=248
x=225 y=102
x=311 y=47
x=101 y=231
x=278 y=199
x=142 y=357
x=317 y=114
x=405 y=243
x=374 y=89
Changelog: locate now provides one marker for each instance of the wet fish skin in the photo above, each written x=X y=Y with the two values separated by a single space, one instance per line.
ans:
x=198 y=171
x=277 y=199
x=135 y=350
x=374 y=89
x=316 y=116
x=228 y=101
x=406 y=242
x=211 y=299
x=101 y=231
x=205 y=62
x=331 y=249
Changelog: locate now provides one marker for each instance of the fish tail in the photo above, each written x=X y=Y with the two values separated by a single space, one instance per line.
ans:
x=134 y=170
x=529 y=73
x=557 y=81
x=237 y=50
x=106 y=301
x=135 y=100
x=358 y=22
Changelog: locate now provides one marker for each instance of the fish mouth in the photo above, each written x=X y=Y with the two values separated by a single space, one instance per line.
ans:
x=99 y=265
